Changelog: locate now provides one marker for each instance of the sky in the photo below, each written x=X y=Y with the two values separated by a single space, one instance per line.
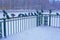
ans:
x=57 y=0
x=54 y=0
x=28 y=4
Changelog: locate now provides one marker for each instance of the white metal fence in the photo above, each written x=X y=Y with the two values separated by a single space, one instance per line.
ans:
x=19 y=24
x=15 y=25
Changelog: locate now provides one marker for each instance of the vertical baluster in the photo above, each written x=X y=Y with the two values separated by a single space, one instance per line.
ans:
x=51 y=20
x=59 y=21
x=27 y=23
x=2 y=29
x=21 y=25
x=11 y=26
x=54 y=21
x=8 y=25
x=7 y=30
x=18 y=23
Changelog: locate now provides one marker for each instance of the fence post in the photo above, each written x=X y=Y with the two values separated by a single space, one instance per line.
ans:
x=39 y=19
x=50 y=17
x=4 y=23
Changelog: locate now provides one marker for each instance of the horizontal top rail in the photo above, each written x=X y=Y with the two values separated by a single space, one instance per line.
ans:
x=17 y=18
x=25 y=17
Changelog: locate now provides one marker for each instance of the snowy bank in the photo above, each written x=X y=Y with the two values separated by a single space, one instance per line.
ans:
x=37 y=33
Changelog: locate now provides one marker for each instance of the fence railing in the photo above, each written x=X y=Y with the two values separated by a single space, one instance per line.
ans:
x=19 y=24
x=49 y=20
x=15 y=25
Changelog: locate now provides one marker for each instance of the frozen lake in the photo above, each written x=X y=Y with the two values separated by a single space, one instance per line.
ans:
x=37 y=33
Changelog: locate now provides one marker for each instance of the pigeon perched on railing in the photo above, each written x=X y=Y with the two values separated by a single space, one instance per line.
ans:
x=50 y=11
x=13 y=15
x=5 y=14
x=57 y=13
x=35 y=14
x=25 y=15
x=37 y=11
x=28 y=14
x=42 y=11
x=32 y=14
x=21 y=15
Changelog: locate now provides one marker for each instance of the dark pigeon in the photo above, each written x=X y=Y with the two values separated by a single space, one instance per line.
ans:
x=21 y=15
x=57 y=13
x=5 y=14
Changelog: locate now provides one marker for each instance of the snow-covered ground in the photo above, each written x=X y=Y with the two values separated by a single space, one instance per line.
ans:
x=37 y=33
